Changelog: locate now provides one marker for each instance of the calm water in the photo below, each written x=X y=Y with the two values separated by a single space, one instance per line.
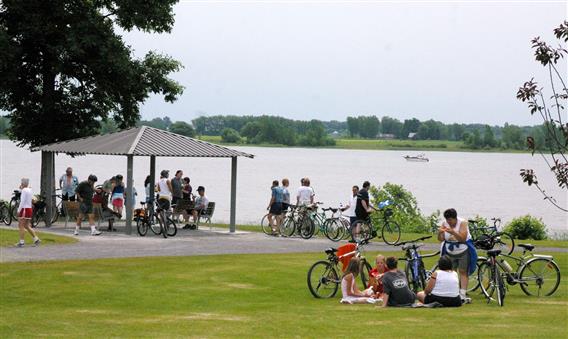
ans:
x=487 y=184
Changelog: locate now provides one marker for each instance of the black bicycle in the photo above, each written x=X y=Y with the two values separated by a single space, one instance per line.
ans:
x=323 y=276
x=490 y=274
x=5 y=216
x=365 y=230
x=417 y=275
x=13 y=205
x=503 y=240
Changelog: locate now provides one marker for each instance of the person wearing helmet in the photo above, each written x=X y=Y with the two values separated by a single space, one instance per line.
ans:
x=85 y=191
x=164 y=188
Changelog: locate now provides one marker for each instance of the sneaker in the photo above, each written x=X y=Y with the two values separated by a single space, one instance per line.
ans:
x=187 y=226
x=76 y=232
x=466 y=300
x=37 y=242
x=19 y=245
x=96 y=232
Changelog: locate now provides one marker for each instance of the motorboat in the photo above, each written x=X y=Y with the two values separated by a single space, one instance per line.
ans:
x=417 y=158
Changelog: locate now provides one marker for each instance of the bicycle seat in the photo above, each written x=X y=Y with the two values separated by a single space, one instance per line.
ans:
x=493 y=253
x=527 y=247
x=330 y=250
x=143 y=202
x=409 y=246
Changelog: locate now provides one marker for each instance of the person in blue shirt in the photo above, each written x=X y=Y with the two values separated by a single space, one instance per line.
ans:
x=275 y=207
x=68 y=184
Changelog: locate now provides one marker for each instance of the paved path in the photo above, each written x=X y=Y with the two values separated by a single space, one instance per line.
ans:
x=185 y=243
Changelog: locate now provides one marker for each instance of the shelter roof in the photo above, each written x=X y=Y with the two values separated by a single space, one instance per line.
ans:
x=142 y=141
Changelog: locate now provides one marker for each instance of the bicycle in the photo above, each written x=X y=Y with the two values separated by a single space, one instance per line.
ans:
x=156 y=220
x=5 y=213
x=335 y=226
x=40 y=211
x=13 y=205
x=503 y=240
x=494 y=282
x=537 y=274
x=364 y=229
x=416 y=274
x=323 y=279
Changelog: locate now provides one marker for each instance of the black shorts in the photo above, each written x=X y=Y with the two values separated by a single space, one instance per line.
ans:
x=276 y=208
x=86 y=207
x=164 y=204
x=446 y=301
x=175 y=200
x=285 y=207
x=66 y=197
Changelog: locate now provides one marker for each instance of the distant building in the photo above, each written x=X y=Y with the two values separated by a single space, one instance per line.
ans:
x=385 y=136
x=412 y=135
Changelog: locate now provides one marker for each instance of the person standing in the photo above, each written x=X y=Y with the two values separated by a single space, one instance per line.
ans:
x=457 y=244
x=305 y=194
x=350 y=207
x=118 y=194
x=25 y=212
x=68 y=183
x=85 y=191
x=285 y=195
x=177 y=190
x=164 y=187
x=275 y=207
x=148 y=188
x=363 y=208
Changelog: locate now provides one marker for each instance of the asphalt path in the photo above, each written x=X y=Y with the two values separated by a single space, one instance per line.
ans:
x=186 y=243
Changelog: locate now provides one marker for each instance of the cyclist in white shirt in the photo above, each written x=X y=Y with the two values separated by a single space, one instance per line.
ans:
x=350 y=208
x=305 y=194
x=164 y=187
x=25 y=211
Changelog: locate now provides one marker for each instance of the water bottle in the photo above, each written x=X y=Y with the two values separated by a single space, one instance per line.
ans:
x=506 y=266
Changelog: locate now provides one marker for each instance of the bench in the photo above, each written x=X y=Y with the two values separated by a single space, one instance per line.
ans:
x=100 y=215
x=206 y=214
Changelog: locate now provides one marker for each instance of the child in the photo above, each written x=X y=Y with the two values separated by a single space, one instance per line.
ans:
x=376 y=275
x=351 y=294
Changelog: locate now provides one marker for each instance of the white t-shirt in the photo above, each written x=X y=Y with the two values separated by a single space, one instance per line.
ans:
x=26 y=199
x=447 y=284
x=350 y=212
x=457 y=248
x=305 y=195
x=164 y=189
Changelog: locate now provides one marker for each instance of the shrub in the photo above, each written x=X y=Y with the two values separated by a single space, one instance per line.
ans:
x=526 y=227
x=230 y=135
x=406 y=211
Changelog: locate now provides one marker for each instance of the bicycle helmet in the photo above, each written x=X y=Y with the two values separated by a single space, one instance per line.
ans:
x=165 y=173
x=484 y=242
x=92 y=178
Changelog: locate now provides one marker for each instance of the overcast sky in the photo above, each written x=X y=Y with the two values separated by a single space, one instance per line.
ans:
x=453 y=62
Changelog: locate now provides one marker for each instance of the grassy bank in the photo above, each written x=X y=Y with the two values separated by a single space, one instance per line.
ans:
x=245 y=296
x=369 y=144
x=11 y=237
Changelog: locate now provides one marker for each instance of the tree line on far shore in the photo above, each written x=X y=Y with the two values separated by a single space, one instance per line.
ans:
x=277 y=130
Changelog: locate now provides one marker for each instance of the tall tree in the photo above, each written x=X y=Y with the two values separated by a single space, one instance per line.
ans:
x=552 y=111
x=64 y=69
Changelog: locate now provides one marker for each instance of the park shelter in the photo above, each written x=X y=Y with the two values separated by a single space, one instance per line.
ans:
x=139 y=141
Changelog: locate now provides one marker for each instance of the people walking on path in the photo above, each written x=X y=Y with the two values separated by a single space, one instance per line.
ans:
x=85 y=191
x=25 y=211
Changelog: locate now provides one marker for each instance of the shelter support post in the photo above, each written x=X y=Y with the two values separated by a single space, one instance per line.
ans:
x=130 y=192
x=47 y=182
x=152 y=180
x=232 y=226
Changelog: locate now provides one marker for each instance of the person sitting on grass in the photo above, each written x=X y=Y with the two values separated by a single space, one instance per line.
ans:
x=376 y=275
x=443 y=286
x=350 y=291
x=395 y=286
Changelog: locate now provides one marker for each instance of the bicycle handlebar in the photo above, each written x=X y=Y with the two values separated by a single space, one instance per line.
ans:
x=415 y=240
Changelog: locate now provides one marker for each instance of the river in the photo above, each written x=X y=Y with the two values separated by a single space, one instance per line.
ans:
x=486 y=184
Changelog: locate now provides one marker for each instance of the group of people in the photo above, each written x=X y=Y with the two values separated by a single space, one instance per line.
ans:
x=177 y=191
x=446 y=287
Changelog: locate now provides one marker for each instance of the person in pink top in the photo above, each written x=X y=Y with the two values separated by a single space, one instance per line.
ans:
x=25 y=211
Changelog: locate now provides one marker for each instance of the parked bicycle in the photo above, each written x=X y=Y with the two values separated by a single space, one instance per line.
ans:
x=5 y=213
x=13 y=205
x=390 y=231
x=156 y=219
x=503 y=241
x=40 y=211
x=416 y=273
x=336 y=226
x=536 y=274
x=323 y=276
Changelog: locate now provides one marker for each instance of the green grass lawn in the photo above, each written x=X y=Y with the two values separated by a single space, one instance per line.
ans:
x=261 y=296
x=11 y=237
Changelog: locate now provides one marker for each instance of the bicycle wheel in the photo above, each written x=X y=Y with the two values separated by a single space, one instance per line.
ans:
x=5 y=214
x=36 y=217
x=360 y=230
x=307 y=228
x=505 y=243
x=323 y=280
x=499 y=285
x=171 y=227
x=365 y=273
x=142 y=226
x=391 y=233
x=266 y=228
x=487 y=279
x=473 y=283
x=416 y=283
x=333 y=229
x=154 y=225
x=287 y=227
x=54 y=213
x=540 y=277
x=13 y=209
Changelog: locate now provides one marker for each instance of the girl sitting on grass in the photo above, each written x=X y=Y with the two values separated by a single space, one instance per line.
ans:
x=352 y=294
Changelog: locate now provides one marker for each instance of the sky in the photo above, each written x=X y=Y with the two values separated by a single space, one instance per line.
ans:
x=450 y=61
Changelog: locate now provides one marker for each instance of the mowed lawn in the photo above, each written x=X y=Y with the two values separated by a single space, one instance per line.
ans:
x=10 y=237
x=261 y=296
